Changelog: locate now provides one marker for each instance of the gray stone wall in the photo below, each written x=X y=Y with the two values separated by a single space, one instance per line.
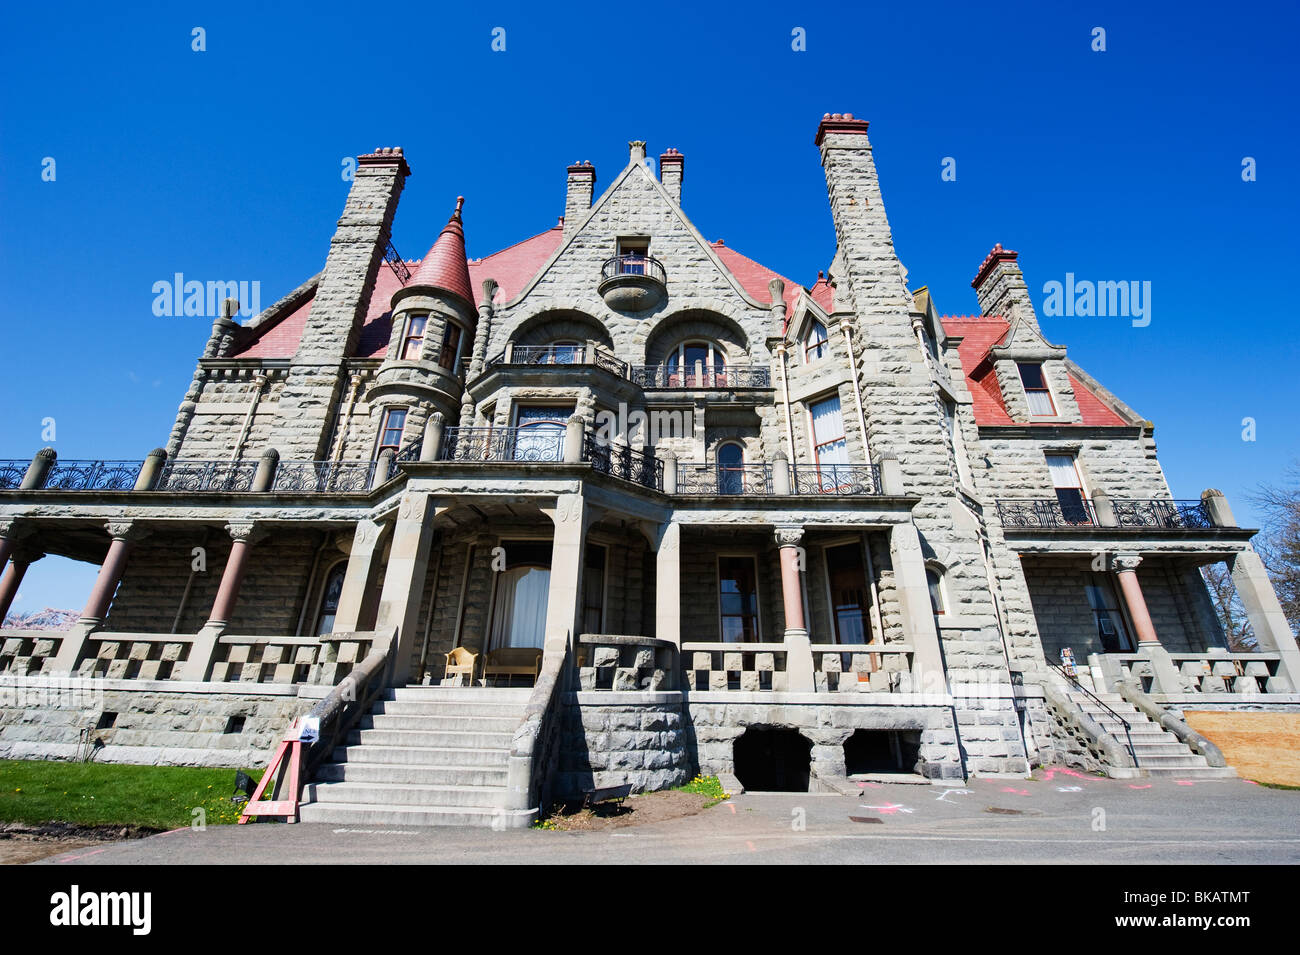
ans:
x=612 y=738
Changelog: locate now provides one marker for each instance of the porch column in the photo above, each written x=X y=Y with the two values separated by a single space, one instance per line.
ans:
x=1126 y=566
x=668 y=584
x=358 y=577
x=204 y=647
x=13 y=577
x=408 y=563
x=1164 y=674
x=570 y=517
x=798 y=652
x=1264 y=611
x=124 y=534
x=917 y=614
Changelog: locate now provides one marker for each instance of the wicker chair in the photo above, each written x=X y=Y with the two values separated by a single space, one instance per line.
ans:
x=461 y=661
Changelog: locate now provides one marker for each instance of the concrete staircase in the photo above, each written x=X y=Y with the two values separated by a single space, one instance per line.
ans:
x=1159 y=752
x=425 y=756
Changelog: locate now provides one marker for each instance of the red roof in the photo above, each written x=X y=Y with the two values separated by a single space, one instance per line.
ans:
x=979 y=333
x=444 y=267
x=823 y=293
x=753 y=278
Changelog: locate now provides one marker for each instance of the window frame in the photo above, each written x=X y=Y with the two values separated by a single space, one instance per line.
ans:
x=409 y=337
x=937 y=585
x=385 y=427
x=1046 y=389
x=758 y=599
x=823 y=346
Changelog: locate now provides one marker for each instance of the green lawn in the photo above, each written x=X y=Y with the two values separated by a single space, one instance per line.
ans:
x=163 y=797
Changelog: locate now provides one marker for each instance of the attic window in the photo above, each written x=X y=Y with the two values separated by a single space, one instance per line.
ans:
x=1037 y=393
x=815 y=344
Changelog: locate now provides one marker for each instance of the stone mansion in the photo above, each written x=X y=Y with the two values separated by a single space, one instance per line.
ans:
x=619 y=504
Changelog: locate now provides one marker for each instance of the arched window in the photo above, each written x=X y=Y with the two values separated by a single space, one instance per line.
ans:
x=329 y=600
x=815 y=342
x=567 y=352
x=731 y=468
x=697 y=364
x=539 y=434
x=934 y=579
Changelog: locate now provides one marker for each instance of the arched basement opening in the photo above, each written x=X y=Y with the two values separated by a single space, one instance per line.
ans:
x=769 y=759
x=872 y=752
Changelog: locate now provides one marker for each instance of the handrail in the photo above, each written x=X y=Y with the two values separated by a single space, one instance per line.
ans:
x=1079 y=686
x=350 y=699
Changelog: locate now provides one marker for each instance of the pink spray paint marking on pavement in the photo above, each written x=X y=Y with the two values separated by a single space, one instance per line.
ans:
x=1133 y=786
x=1018 y=792
x=1049 y=774
x=891 y=809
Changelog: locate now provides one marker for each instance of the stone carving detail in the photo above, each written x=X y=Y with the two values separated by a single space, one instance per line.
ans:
x=1123 y=562
x=788 y=535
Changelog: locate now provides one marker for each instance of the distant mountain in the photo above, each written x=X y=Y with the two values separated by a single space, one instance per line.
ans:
x=47 y=619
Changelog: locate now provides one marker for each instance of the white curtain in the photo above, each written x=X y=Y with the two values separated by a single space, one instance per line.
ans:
x=519 y=619
x=828 y=432
x=1063 y=471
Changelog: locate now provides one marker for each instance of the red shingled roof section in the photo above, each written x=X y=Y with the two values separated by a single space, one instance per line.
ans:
x=979 y=333
x=444 y=267
x=282 y=340
x=753 y=277
x=514 y=266
x=823 y=293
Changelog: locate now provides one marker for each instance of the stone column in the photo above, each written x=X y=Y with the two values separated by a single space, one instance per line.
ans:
x=357 y=579
x=124 y=534
x=150 y=470
x=798 y=650
x=917 y=614
x=668 y=584
x=203 y=648
x=13 y=578
x=10 y=532
x=1126 y=566
x=573 y=429
x=431 y=442
x=38 y=470
x=562 y=607
x=1104 y=509
x=780 y=474
x=1264 y=611
x=408 y=564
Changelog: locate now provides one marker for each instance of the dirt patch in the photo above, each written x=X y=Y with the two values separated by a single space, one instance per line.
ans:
x=635 y=811
x=1260 y=746
x=21 y=843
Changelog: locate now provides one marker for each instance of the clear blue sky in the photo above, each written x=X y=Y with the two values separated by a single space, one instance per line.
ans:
x=225 y=164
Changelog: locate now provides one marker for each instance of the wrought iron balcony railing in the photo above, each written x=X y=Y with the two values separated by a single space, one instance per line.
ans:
x=671 y=376
x=835 y=479
x=336 y=477
x=207 y=476
x=92 y=475
x=502 y=444
x=12 y=474
x=624 y=462
x=562 y=355
x=724 y=479
x=1130 y=514
x=631 y=264
x=1162 y=514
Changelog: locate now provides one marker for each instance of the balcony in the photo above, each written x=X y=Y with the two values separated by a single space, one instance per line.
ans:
x=701 y=377
x=543 y=356
x=623 y=462
x=632 y=283
x=502 y=444
x=768 y=479
x=1117 y=513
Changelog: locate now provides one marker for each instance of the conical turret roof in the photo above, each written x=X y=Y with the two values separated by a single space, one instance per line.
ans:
x=445 y=266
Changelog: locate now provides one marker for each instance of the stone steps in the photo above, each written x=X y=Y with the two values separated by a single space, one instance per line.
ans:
x=424 y=756
x=1158 y=752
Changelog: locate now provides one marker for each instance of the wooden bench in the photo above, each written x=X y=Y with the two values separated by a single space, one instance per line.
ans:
x=513 y=661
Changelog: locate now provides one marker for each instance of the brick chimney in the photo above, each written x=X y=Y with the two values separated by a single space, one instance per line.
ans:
x=578 y=193
x=672 y=170
x=1000 y=287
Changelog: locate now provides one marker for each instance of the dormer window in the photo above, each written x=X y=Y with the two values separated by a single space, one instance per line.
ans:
x=633 y=253
x=413 y=341
x=1037 y=394
x=815 y=342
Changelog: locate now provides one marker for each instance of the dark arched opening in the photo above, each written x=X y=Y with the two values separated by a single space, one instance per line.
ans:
x=881 y=751
x=773 y=760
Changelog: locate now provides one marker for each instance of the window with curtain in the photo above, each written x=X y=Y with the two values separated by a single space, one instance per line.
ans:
x=731 y=468
x=520 y=601
x=1069 y=488
x=738 y=599
x=450 y=351
x=815 y=343
x=1111 y=630
x=390 y=436
x=414 y=339
x=1037 y=393
x=329 y=601
x=829 y=444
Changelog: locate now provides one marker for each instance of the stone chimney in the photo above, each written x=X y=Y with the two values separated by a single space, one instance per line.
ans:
x=578 y=193
x=1000 y=287
x=672 y=170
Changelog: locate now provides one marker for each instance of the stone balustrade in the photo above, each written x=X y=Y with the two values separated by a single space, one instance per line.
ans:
x=625 y=662
x=735 y=666
x=135 y=656
x=27 y=652
x=864 y=668
x=1212 y=672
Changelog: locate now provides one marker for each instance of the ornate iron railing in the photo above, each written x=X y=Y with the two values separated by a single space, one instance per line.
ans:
x=396 y=263
x=207 y=476
x=1074 y=681
x=1046 y=513
x=624 y=462
x=630 y=264
x=12 y=474
x=835 y=479
x=718 y=479
x=1162 y=514
x=502 y=444
x=338 y=477
x=563 y=355
x=92 y=475
x=730 y=376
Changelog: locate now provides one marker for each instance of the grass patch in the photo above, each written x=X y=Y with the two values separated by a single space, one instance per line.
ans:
x=1260 y=782
x=709 y=786
x=96 y=794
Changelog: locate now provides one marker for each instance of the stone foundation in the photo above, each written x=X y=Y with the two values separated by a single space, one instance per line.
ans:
x=622 y=737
